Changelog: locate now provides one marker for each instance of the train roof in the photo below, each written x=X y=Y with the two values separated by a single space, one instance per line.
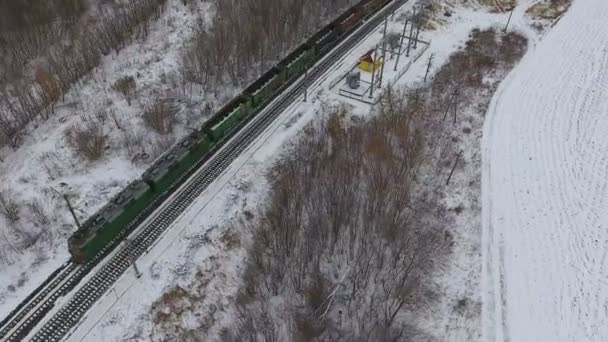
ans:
x=111 y=209
x=162 y=163
x=319 y=36
x=295 y=55
x=227 y=109
x=256 y=86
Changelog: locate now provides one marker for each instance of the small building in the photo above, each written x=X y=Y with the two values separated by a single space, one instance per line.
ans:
x=371 y=61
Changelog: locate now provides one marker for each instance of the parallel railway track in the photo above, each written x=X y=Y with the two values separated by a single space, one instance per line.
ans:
x=28 y=316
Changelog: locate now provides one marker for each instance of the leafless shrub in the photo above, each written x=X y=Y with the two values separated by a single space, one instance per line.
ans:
x=161 y=144
x=485 y=52
x=39 y=215
x=231 y=239
x=49 y=91
x=513 y=46
x=87 y=139
x=52 y=163
x=133 y=143
x=115 y=119
x=27 y=238
x=126 y=86
x=548 y=9
x=9 y=208
x=160 y=116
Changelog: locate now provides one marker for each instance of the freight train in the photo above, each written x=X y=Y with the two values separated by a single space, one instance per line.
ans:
x=108 y=226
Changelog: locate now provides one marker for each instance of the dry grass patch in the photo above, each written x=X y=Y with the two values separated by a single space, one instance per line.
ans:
x=549 y=9
x=87 y=139
x=232 y=239
x=498 y=6
x=160 y=116
x=432 y=16
x=435 y=13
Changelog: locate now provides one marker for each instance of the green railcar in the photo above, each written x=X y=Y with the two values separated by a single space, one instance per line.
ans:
x=298 y=61
x=110 y=221
x=166 y=171
x=229 y=117
x=198 y=146
x=262 y=89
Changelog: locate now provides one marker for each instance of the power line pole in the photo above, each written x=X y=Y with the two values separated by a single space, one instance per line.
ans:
x=449 y=106
x=371 y=92
x=66 y=198
x=428 y=67
x=132 y=259
x=409 y=44
x=417 y=34
x=383 y=54
x=509 y=20
x=137 y=273
x=71 y=209
x=401 y=44
x=305 y=85
x=453 y=168
x=455 y=104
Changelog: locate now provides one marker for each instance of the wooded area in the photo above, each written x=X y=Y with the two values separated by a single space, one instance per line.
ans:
x=356 y=226
x=47 y=46
x=247 y=38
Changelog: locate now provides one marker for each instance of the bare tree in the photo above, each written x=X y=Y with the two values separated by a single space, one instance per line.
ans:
x=87 y=139
x=9 y=208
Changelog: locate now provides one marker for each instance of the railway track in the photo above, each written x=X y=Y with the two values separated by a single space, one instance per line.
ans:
x=26 y=317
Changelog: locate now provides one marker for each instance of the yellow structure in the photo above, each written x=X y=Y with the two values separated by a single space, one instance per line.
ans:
x=370 y=62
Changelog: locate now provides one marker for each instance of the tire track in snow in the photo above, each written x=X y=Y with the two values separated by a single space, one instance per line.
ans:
x=545 y=190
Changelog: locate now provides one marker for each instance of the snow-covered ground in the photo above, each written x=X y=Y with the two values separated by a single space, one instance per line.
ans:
x=545 y=189
x=44 y=165
x=194 y=253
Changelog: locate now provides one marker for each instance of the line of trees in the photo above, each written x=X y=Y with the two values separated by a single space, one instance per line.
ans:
x=247 y=37
x=22 y=100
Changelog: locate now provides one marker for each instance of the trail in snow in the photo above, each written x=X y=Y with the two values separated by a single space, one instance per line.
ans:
x=545 y=188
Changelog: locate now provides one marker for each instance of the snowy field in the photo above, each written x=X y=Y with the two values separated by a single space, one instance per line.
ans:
x=196 y=256
x=545 y=189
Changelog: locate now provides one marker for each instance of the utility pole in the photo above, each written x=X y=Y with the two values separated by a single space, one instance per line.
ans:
x=132 y=259
x=71 y=209
x=383 y=54
x=401 y=44
x=449 y=106
x=371 y=92
x=509 y=20
x=453 y=168
x=306 y=85
x=417 y=33
x=69 y=205
x=409 y=44
x=428 y=67
x=455 y=104
x=137 y=273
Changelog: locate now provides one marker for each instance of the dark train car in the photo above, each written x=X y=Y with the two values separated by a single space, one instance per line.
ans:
x=227 y=118
x=373 y=6
x=349 y=21
x=97 y=232
x=265 y=86
x=324 y=40
x=298 y=61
